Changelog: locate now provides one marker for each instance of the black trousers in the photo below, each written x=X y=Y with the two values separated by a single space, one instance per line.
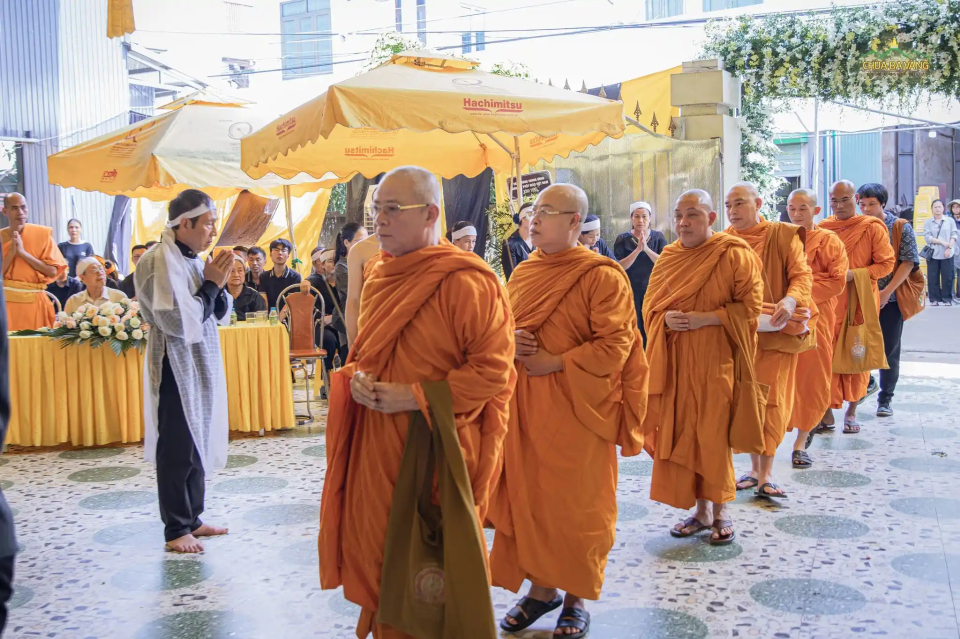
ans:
x=6 y=587
x=330 y=344
x=940 y=279
x=891 y=324
x=180 y=479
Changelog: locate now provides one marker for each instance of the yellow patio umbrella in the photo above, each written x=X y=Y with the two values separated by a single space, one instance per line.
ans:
x=194 y=145
x=438 y=112
x=119 y=18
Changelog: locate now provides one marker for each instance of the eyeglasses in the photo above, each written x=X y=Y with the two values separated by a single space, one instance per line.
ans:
x=844 y=200
x=540 y=210
x=393 y=209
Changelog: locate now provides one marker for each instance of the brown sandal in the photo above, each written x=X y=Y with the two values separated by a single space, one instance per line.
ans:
x=722 y=540
x=690 y=522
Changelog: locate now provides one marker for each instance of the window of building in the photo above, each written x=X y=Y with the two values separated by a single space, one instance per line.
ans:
x=466 y=42
x=422 y=20
x=481 y=40
x=720 y=5
x=399 y=14
x=306 y=40
x=657 y=9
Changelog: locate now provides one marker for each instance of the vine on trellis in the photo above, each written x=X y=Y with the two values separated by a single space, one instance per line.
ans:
x=894 y=53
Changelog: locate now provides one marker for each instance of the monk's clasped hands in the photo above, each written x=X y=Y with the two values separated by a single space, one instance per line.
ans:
x=385 y=397
x=526 y=344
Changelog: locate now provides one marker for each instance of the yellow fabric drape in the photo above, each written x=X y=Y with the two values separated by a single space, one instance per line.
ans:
x=652 y=94
x=309 y=211
x=119 y=18
x=90 y=397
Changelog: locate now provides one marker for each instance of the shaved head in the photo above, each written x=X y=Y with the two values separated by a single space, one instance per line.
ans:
x=842 y=199
x=693 y=217
x=422 y=183
x=407 y=210
x=558 y=213
x=743 y=204
x=703 y=199
x=15 y=210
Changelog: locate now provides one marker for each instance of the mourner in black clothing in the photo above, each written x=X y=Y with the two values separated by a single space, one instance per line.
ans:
x=518 y=246
x=637 y=257
x=590 y=237
x=245 y=299
x=274 y=281
x=256 y=260
x=64 y=287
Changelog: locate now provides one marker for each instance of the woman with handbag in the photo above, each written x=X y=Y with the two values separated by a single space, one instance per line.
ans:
x=940 y=234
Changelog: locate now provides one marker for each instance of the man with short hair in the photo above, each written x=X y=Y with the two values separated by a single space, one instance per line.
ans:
x=787 y=286
x=872 y=198
x=827 y=259
x=64 y=287
x=96 y=293
x=701 y=310
x=31 y=261
x=868 y=250
x=241 y=252
x=274 y=281
x=185 y=412
x=127 y=285
x=256 y=259
x=581 y=392
x=431 y=313
x=136 y=253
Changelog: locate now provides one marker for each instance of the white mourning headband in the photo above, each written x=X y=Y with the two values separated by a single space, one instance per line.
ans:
x=586 y=227
x=326 y=255
x=189 y=215
x=640 y=205
x=465 y=231
x=86 y=262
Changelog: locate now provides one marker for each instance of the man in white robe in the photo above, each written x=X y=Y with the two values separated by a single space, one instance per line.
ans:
x=185 y=408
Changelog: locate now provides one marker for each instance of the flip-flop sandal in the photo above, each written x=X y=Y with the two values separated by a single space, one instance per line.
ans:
x=851 y=428
x=688 y=523
x=527 y=611
x=806 y=444
x=723 y=540
x=752 y=482
x=823 y=428
x=761 y=492
x=576 y=618
x=801 y=459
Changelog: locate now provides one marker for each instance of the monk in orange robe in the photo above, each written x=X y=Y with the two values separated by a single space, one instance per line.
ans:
x=868 y=247
x=31 y=260
x=787 y=288
x=430 y=312
x=581 y=392
x=828 y=260
x=700 y=312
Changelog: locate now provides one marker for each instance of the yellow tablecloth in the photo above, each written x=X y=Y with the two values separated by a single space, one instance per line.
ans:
x=90 y=397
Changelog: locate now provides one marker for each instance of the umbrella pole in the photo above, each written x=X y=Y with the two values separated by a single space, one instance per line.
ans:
x=289 y=207
x=516 y=164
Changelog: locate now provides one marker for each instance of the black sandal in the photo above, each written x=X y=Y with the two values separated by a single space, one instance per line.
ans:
x=689 y=522
x=529 y=610
x=801 y=459
x=851 y=428
x=761 y=492
x=747 y=478
x=809 y=441
x=576 y=618
x=722 y=540
x=823 y=428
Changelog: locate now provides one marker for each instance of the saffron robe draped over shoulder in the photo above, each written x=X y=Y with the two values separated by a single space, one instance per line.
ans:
x=827 y=258
x=431 y=315
x=785 y=273
x=868 y=247
x=689 y=421
x=28 y=306
x=556 y=508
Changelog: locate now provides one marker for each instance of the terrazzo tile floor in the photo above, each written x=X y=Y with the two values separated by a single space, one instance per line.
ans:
x=866 y=544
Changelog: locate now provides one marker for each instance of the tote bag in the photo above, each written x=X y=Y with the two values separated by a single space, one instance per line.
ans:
x=860 y=346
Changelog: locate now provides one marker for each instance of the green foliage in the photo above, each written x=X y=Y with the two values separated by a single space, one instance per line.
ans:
x=338 y=199
x=389 y=44
x=499 y=227
x=511 y=70
x=835 y=56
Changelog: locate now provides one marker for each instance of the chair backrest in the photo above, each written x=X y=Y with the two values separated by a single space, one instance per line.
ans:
x=56 y=303
x=302 y=313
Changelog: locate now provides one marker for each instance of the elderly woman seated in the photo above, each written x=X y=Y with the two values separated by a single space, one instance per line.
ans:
x=94 y=277
x=245 y=299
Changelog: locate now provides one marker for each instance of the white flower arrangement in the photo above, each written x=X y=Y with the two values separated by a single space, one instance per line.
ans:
x=118 y=325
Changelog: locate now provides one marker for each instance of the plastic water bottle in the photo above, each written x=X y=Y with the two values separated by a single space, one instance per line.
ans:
x=233 y=317
x=274 y=318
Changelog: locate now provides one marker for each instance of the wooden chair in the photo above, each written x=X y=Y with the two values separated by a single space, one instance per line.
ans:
x=302 y=317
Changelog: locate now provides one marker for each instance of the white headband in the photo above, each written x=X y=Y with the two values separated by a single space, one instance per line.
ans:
x=465 y=231
x=84 y=263
x=326 y=255
x=189 y=215
x=640 y=205
x=586 y=227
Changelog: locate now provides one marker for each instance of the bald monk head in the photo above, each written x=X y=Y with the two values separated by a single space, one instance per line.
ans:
x=842 y=199
x=802 y=207
x=557 y=216
x=693 y=217
x=15 y=210
x=406 y=209
x=743 y=206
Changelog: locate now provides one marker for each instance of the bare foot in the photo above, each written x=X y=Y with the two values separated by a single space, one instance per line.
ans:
x=186 y=544
x=206 y=530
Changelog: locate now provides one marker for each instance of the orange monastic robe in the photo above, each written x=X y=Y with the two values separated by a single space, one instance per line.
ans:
x=828 y=260
x=868 y=246
x=434 y=314
x=777 y=368
x=28 y=306
x=690 y=413
x=556 y=507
